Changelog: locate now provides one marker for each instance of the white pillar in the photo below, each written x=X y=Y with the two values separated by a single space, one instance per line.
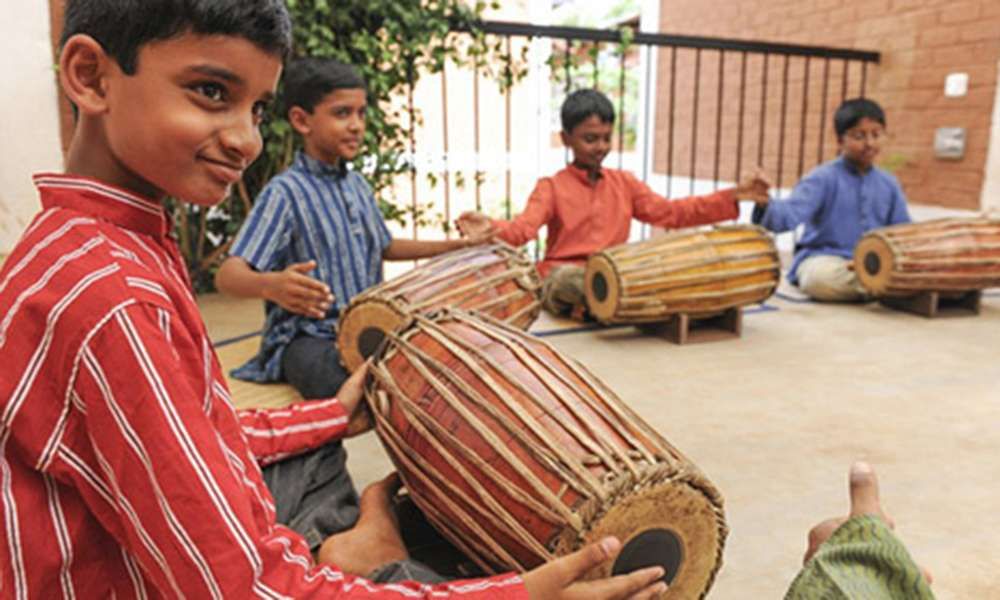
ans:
x=990 y=200
x=29 y=114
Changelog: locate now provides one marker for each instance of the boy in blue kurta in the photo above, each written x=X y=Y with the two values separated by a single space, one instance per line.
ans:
x=839 y=202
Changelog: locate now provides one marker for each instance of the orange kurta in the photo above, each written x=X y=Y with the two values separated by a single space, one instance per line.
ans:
x=585 y=217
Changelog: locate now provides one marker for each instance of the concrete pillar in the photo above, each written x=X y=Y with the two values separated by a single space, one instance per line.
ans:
x=29 y=115
x=990 y=200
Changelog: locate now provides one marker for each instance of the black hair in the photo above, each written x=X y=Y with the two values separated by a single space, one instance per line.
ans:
x=122 y=27
x=581 y=105
x=852 y=111
x=308 y=80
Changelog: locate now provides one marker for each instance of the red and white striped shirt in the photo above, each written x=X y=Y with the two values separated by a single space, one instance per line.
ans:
x=124 y=470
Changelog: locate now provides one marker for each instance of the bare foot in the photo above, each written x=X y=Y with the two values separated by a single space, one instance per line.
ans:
x=374 y=540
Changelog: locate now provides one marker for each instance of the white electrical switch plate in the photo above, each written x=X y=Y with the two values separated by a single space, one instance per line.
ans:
x=956 y=85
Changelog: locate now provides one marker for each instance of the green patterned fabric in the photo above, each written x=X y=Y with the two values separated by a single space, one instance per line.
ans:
x=862 y=560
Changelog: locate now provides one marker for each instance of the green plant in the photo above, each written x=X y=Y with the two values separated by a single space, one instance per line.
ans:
x=895 y=162
x=393 y=43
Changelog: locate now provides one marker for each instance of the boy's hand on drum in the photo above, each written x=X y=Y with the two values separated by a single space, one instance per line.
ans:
x=562 y=579
x=478 y=239
x=475 y=225
x=754 y=186
x=295 y=291
x=864 y=501
x=351 y=397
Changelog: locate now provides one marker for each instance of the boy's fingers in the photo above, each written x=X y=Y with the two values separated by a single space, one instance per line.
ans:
x=303 y=267
x=314 y=287
x=928 y=576
x=574 y=566
x=864 y=490
x=636 y=585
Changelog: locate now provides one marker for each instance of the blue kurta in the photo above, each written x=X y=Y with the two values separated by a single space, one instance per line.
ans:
x=838 y=204
x=311 y=211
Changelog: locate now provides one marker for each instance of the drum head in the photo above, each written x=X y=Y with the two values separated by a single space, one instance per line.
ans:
x=362 y=328
x=673 y=525
x=601 y=287
x=874 y=262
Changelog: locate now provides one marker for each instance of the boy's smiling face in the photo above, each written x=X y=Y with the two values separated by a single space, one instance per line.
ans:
x=590 y=142
x=187 y=123
x=335 y=129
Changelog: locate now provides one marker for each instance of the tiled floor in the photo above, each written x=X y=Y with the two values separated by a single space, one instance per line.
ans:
x=775 y=419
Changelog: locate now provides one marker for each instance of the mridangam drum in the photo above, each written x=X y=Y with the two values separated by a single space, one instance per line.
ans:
x=496 y=280
x=699 y=272
x=944 y=255
x=518 y=454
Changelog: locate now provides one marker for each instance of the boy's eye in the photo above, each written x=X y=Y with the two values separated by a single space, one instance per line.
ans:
x=212 y=91
x=260 y=111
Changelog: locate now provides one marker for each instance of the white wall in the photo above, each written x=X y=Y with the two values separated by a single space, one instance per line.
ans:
x=991 y=186
x=29 y=114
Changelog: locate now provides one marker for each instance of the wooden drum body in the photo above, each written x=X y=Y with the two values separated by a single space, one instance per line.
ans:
x=698 y=272
x=496 y=280
x=518 y=455
x=944 y=255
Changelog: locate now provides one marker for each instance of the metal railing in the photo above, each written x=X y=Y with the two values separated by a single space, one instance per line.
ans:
x=704 y=108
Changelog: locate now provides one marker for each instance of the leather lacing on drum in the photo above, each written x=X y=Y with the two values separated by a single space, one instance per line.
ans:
x=647 y=461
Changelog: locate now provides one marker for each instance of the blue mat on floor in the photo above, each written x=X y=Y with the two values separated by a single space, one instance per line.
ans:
x=547 y=333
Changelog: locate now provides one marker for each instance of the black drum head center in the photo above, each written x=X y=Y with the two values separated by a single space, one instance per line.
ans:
x=652 y=548
x=369 y=340
x=600 y=287
x=873 y=264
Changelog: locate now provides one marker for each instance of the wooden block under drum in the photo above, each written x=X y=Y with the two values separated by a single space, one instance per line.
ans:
x=931 y=304
x=687 y=329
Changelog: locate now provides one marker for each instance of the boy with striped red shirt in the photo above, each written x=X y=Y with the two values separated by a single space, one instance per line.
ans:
x=124 y=471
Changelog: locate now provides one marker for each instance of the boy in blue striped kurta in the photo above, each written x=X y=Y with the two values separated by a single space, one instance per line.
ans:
x=315 y=237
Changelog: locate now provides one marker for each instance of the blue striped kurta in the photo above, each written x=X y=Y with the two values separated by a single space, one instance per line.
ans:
x=311 y=211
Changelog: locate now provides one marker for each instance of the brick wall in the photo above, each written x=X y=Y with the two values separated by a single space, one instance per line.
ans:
x=921 y=41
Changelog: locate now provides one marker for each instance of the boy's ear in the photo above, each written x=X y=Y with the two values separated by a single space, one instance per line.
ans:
x=299 y=118
x=83 y=70
x=564 y=137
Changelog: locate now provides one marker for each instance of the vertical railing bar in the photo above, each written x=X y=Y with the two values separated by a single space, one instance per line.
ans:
x=507 y=178
x=597 y=66
x=670 y=134
x=781 y=129
x=802 y=127
x=413 y=143
x=648 y=125
x=763 y=113
x=621 y=109
x=694 y=119
x=447 y=164
x=843 y=85
x=822 y=121
x=739 y=129
x=568 y=68
x=864 y=77
x=718 y=119
x=475 y=137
